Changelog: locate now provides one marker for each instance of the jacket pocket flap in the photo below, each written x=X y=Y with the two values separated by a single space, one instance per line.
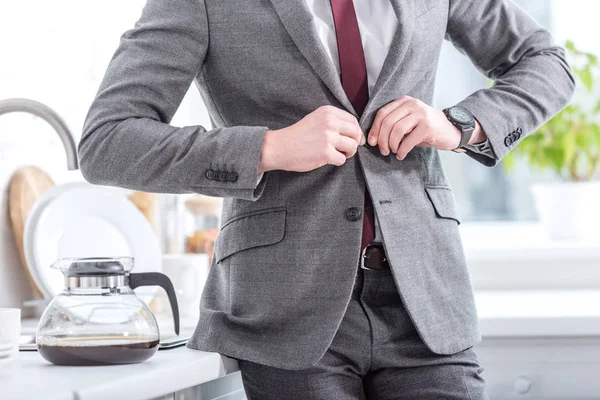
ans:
x=422 y=6
x=443 y=202
x=258 y=228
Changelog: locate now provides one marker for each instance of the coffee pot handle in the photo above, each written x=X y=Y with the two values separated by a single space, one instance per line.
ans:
x=158 y=279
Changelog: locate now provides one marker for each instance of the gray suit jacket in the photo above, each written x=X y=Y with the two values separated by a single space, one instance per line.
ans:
x=286 y=256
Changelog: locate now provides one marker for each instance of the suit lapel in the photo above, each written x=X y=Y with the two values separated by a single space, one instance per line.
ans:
x=400 y=42
x=298 y=21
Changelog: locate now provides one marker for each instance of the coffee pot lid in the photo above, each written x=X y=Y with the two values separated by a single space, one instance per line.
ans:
x=96 y=266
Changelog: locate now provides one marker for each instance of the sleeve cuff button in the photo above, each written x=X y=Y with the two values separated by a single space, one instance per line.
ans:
x=232 y=176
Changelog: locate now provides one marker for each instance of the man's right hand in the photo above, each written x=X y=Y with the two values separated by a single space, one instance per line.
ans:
x=327 y=135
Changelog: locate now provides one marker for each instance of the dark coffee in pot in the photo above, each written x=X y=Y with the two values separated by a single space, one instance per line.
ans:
x=104 y=350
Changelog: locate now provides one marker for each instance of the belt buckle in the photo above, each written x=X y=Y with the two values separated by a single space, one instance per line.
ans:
x=363 y=255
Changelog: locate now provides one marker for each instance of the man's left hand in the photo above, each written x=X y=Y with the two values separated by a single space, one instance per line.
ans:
x=401 y=125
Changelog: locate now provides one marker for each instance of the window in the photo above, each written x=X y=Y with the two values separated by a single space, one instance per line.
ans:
x=483 y=193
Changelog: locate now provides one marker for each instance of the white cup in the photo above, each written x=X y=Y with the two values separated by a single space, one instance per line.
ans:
x=10 y=332
x=188 y=272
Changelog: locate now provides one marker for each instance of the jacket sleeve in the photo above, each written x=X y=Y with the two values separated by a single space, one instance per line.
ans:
x=532 y=80
x=127 y=140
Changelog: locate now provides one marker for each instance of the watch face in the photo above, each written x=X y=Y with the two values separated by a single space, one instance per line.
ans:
x=461 y=115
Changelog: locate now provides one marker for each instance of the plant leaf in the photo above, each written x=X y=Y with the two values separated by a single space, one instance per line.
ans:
x=586 y=78
x=569 y=148
x=569 y=109
x=555 y=158
x=569 y=142
x=509 y=161
x=583 y=140
x=595 y=136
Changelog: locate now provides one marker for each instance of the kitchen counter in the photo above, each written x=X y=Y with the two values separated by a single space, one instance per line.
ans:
x=539 y=313
x=30 y=377
x=540 y=344
x=169 y=371
x=513 y=324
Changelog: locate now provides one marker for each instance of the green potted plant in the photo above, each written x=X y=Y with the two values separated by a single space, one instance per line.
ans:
x=569 y=146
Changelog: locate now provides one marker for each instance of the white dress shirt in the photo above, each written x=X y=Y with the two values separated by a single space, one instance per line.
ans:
x=377 y=22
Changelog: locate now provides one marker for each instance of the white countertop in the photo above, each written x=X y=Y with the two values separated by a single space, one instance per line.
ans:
x=502 y=313
x=526 y=241
x=540 y=313
x=31 y=377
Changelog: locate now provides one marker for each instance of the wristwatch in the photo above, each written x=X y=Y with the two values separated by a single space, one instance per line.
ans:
x=464 y=121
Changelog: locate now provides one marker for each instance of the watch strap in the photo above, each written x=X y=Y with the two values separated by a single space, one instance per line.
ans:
x=466 y=131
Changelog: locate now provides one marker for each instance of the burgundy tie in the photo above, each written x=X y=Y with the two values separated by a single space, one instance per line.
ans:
x=353 y=71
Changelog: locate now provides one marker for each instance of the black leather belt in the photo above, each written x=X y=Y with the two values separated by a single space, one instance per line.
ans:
x=373 y=257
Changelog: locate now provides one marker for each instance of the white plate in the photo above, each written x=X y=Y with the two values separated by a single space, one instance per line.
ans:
x=34 y=213
x=89 y=222
x=7 y=347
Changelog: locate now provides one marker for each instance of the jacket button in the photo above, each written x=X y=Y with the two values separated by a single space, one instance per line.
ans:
x=209 y=174
x=519 y=132
x=232 y=176
x=507 y=141
x=353 y=214
x=216 y=175
x=223 y=176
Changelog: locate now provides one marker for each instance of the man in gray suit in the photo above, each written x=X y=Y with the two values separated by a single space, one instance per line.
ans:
x=339 y=271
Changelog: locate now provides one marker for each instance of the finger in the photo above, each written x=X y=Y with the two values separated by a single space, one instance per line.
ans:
x=351 y=130
x=380 y=116
x=400 y=129
x=336 y=158
x=409 y=142
x=341 y=114
x=386 y=110
x=383 y=138
x=346 y=145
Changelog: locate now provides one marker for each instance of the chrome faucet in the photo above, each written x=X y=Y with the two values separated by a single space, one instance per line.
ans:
x=50 y=116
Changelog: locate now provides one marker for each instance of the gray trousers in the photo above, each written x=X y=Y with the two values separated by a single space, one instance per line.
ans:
x=375 y=354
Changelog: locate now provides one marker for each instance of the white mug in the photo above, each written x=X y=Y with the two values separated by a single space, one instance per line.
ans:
x=10 y=332
x=188 y=272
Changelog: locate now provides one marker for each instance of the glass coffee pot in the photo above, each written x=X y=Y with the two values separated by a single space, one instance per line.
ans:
x=98 y=319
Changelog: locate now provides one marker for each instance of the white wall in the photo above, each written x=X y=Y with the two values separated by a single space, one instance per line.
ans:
x=578 y=20
x=55 y=52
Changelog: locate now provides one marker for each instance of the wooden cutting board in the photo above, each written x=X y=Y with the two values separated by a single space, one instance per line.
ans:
x=26 y=186
x=147 y=203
